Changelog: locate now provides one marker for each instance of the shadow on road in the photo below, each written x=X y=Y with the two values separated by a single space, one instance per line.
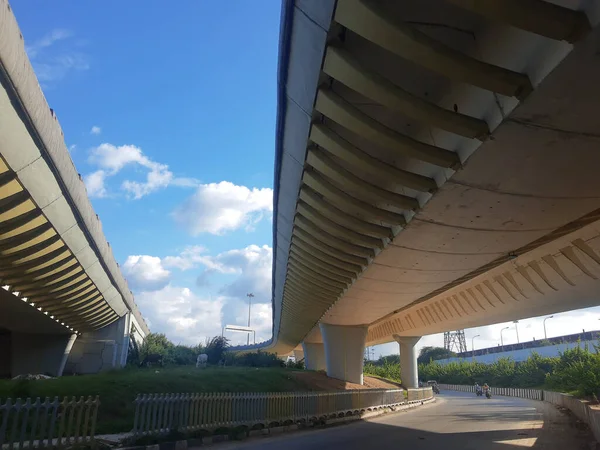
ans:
x=455 y=422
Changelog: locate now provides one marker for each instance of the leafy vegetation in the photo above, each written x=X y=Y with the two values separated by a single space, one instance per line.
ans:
x=257 y=359
x=118 y=389
x=388 y=367
x=388 y=370
x=157 y=344
x=428 y=354
x=575 y=371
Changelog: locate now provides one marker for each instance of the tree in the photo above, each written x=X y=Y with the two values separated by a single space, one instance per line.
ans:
x=155 y=344
x=215 y=348
x=388 y=359
x=428 y=354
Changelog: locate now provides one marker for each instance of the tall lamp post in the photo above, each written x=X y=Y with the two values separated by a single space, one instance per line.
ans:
x=502 y=340
x=473 y=344
x=250 y=297
x=546 y=335
x=516 y=322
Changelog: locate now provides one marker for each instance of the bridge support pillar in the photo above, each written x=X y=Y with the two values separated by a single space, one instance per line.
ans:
x=409 y=371
x=344 y=351
x=314 y=356
x=101 y=350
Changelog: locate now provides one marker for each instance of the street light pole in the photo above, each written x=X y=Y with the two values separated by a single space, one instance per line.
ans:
x=250 y=296
x=502 y=340
x=516 y=322
x=473 y=345
x=545 y=335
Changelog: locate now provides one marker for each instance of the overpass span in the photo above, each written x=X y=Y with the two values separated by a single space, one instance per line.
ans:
x=435 y=169
x=63 y=293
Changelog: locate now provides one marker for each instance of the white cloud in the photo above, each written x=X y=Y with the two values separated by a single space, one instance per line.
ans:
x=184 y=316
x=145 y=273
x=112 y=159
x=219 y=207
x=192 y=257
x=252 y=264
x=180 y=314
x=48 y=40
x=255 y=266
x=96 y=130
x=94 y=183
x=189 y=319
x=51 y=63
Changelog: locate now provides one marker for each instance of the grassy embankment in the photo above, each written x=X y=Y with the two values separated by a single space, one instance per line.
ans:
x=118 y=389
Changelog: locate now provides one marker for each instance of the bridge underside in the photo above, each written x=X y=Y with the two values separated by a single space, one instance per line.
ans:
x=58 y=275
x=446 y=164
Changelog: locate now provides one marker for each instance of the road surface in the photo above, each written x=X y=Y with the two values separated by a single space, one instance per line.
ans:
x=457 y=421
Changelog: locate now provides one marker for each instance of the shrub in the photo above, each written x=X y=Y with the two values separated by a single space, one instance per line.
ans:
x=576 y=370
x=388 y=370
x=215 y=349
x=258 y=359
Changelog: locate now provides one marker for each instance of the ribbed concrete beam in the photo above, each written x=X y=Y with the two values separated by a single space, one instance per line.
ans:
x=343 y=67
x=377 y=25
x=537 y=16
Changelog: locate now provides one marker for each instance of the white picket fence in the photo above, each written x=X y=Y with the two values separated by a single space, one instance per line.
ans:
x=48 y=423
x=531 y=394
x=161 y=413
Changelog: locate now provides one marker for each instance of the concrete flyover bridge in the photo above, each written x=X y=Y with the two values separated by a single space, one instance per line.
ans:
x=64 y=302
x=436 y=169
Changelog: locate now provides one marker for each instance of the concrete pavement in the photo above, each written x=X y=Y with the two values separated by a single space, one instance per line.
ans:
x=455 y=421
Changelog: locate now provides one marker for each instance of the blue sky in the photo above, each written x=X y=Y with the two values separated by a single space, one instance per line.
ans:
x=169 y=113
x=170 y=117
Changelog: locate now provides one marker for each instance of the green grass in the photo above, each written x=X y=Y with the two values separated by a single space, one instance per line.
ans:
x=387 y=371
x=118 y=389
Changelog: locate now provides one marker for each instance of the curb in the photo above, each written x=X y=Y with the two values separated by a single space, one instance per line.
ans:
x=209 y=440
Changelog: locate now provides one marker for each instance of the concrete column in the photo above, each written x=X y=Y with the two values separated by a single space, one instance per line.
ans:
x=344 y=351
x=408 y=360
x=298 y=355
x=126 y=338
x=314 y=356
x=68 y=348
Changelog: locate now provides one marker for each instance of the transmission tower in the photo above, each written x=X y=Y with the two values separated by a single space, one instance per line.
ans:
x=455 y=341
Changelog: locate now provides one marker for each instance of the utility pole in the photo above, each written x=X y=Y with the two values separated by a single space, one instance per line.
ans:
x=502 y=340
x=545 y=334
x=250 y=297
x=473 y=346
x=516 y=322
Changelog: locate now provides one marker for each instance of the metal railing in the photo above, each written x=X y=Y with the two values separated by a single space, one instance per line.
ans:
x=161 y=413
x=48 y=423
x=531 y=394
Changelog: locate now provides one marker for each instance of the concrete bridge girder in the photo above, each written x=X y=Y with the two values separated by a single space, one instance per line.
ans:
x=395 y=140
x=54 y=257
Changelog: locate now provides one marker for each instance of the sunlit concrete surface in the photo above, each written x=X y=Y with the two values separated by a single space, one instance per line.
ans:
x=435 y=166
x=455 y=422
x=56 y=267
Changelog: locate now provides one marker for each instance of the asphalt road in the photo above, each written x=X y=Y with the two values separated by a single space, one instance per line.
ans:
x=456 y=421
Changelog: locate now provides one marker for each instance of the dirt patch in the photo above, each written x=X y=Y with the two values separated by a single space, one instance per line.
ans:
x=317 y=381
